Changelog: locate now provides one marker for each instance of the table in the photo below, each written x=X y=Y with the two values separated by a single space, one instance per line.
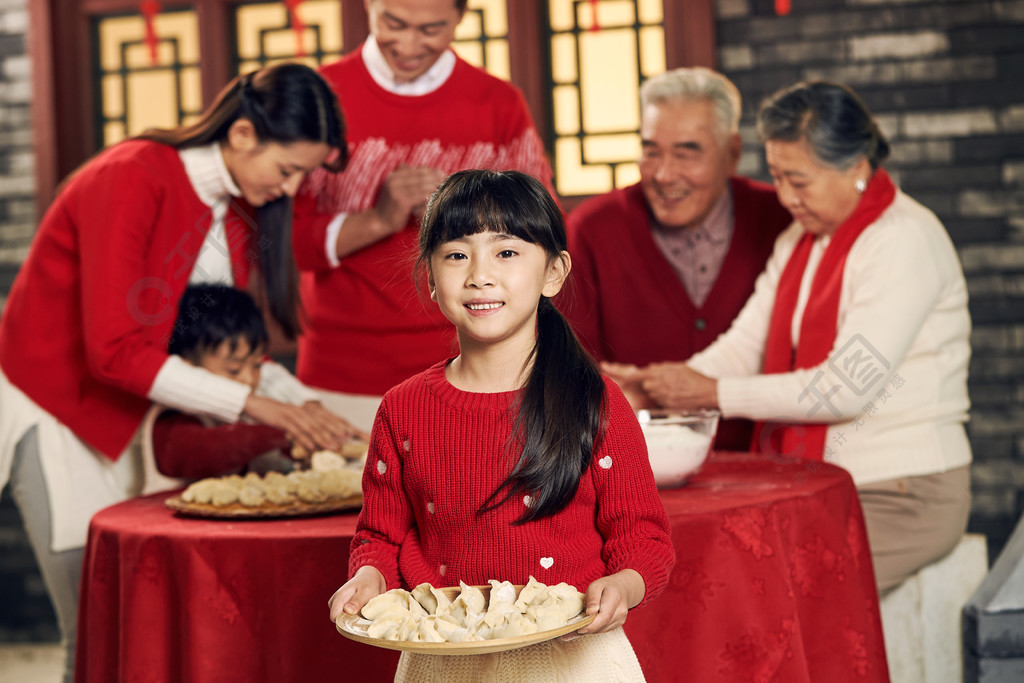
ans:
x=773 y=582
x=169 y=599
x=773 y=579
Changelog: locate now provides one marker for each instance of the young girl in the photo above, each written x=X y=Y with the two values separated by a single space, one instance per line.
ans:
x=515 y=458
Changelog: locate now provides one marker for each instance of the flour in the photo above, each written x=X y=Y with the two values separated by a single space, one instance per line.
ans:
x=675 y=451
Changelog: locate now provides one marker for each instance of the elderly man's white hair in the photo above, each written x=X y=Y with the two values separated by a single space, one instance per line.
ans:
x=696 y=83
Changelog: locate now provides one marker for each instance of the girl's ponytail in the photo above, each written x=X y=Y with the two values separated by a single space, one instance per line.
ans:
x=559 y=420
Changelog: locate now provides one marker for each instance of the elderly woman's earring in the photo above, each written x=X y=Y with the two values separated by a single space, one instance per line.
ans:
x=861 y=185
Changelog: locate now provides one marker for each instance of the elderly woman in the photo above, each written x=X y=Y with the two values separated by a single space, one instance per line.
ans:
x=854 y=346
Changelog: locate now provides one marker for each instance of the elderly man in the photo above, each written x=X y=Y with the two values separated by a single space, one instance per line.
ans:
x=415 y=112
x=662 y=267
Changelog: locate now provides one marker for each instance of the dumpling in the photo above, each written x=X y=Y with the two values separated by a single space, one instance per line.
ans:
x=502 y=602
x=548 y=615
x=274 y=477
x=310 y=493
x=553 y=606
x=224 y=492
x=283 y=481
x=412 y=606
x=200 y=492
x=251 y=495
x=322 y=461
x=563 y=597
x=517 y=625
x=433 y=600
x=428 y=631
x=377 y=605
x=483 y=631
x=530 y=591
x=468 y=608
x=409 y=630
x=235 y=481
x=391 y=625
x=450 y=630
x=341 y=483
x=278 y=494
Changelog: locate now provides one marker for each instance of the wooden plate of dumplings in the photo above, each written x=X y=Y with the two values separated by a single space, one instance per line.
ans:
x=503 y=634
x=328 y=487
x=239 y=511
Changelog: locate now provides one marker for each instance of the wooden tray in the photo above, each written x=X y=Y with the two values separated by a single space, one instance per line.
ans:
x=239 y=511
x=353 y=626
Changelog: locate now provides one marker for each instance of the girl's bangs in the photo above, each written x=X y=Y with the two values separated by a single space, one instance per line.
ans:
x=458 y=216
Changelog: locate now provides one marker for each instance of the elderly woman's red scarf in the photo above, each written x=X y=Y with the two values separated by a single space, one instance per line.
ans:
x=818 y=326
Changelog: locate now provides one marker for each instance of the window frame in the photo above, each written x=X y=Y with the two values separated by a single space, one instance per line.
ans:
x=63 y=74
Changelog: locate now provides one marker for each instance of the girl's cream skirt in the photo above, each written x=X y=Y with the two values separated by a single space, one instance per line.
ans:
x=597 y=657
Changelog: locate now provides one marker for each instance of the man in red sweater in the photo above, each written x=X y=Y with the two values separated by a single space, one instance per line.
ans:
x=661 y=268
x=415 y=113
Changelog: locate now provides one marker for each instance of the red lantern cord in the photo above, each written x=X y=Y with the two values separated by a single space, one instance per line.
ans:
x=782 y=7
x=297 y=25
x=594 y=25
x=149 y=9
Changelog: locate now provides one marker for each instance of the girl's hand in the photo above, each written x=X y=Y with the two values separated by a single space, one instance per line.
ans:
x=306 y=427
x=366 y=583
x=610 y=598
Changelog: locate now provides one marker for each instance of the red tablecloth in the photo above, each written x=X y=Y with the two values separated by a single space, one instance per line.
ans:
x=773 y=583
x=773 y=580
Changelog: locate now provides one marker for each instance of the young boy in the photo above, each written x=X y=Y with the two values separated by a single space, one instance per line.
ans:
x=221 y=329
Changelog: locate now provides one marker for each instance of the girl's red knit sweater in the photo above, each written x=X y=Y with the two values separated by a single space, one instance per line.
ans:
x=436 y=453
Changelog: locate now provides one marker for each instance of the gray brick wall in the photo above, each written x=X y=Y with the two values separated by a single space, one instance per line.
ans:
x=17 y=161
x=944 y=79
x=25 y=612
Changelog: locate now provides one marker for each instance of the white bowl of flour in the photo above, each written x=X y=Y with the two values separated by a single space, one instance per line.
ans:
x=677 y=443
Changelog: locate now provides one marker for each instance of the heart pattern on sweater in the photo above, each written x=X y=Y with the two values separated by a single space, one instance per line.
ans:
x=605 y=462
x=382 y=466
x=546 y=562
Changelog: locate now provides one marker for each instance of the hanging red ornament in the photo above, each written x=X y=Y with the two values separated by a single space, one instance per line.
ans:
x=782 y=7
x=594 y=25
x=297 y=25
x=149 y=9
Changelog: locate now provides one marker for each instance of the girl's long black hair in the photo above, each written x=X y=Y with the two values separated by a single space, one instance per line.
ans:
x=559 y=420
x=286 y=102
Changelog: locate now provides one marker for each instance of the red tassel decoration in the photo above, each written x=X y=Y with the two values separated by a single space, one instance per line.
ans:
x=297 y=25
x=149 y=9
x=782 y=7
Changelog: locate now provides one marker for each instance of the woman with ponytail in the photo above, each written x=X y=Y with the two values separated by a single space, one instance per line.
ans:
x=854 y=346
x=515 y=458
x=85 y=330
